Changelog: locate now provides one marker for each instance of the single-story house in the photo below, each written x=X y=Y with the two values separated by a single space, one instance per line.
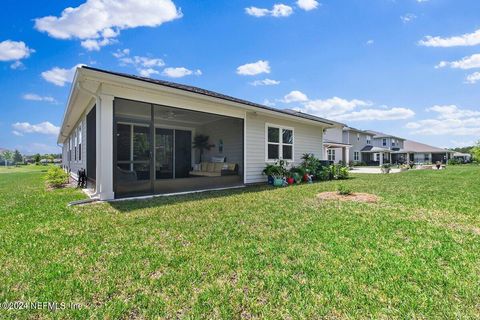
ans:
x=421 y=153
x=140 y=136
x=463 y=157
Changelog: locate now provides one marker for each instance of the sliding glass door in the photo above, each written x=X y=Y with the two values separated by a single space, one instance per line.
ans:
x=133 y=158
x=164 y=165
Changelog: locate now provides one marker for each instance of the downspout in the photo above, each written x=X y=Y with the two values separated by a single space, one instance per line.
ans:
x=97 y=103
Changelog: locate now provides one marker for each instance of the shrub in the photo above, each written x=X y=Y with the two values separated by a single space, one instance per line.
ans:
x=453 y=162
x=344 y=190
x=56 y=177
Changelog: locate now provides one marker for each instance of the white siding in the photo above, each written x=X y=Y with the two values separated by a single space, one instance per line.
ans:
x=334 y=134
x=307 y=139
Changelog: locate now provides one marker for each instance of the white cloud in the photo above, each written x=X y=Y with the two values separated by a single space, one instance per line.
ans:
x=333 y=107
x=295 y=96
x=370 y=42
x=147 y=72
x=98 y=22
x=470 y=62
x=179 y=72
x=17 y=65
x=281 y=10
x=41 y=128
x=467 y=39
x=60 y=76
x=340 y=109
x=18 y=134
x=265 y=82
x=395 y=113
x=409 y=17
x=420 y=1
x=278 y=10
x=307 y=5
x=14 y=51
x=450 y=120
x=36 y=97
x=473 y=78
x=254 y=68
x=145 y=66
x=257 y=12
x=269 y=103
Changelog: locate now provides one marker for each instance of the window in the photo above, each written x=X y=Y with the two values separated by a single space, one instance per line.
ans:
x=70 y=149
x=384 y=142
x=80 y=142
x=358 y=136
x=75 y=145
x=376 y=156
x=356 y=156
x=393 y=142
x=331 y=154
x=369 y=140
x=279 y=143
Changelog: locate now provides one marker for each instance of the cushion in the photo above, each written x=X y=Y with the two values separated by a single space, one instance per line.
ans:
x=218 y=166
x=218 y=159
x=204 y=166
x=231 y=166
x=210 y=167
x=205 y=174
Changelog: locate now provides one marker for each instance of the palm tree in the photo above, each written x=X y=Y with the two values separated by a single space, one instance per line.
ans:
x=200 y=142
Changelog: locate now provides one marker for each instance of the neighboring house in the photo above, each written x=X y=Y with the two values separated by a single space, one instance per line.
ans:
x=134 y=136
x=334 y=148
x=376 y=148
x=464 y=157
x=417 y=152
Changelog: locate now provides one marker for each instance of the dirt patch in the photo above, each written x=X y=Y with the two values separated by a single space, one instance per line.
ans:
x=355 y=197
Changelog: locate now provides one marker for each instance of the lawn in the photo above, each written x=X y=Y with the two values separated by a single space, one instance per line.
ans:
x=258 y=252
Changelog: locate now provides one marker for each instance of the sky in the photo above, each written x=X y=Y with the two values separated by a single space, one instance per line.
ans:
x=410 y=68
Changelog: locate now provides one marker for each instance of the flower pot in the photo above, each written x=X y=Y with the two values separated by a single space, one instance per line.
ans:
x=278 y=182
x=270 y=180
x=290 y=180
x=385 y=170
x=305 y=177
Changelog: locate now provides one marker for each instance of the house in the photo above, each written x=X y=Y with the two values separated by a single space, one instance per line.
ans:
x=463 y=157
x=376 y=148
x=136 y=136
x=334 y=148
x=417 y=152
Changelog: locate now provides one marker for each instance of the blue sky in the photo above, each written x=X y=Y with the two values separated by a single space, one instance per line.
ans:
x=406 y=67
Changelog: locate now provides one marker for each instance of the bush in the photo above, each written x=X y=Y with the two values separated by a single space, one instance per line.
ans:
x=453 y=162
x=344 y=190
x=56 y=177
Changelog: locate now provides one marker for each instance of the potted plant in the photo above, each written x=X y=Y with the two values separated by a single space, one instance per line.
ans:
x=386 y=168
x=276 y=172
x=201 y=143
x=268 y=171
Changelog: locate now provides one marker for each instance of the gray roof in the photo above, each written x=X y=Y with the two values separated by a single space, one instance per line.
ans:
x=312 y=117
x=378 y=134
x=209 y=93
x=374 y=149
x=414 y=146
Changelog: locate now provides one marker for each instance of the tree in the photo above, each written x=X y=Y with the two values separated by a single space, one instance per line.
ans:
x=37 y=158
x=7 y=156
x=476 y=151
x=200 y=142
x=17 y=157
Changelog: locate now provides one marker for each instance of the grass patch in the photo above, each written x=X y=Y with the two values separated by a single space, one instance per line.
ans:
x=253 y=253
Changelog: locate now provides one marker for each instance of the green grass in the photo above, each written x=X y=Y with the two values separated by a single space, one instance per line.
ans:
x=255 y=253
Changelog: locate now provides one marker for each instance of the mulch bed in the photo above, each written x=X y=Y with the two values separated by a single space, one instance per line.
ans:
x=355 y=197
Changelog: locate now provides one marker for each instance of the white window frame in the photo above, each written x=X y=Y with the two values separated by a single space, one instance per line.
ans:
x=331 y=155
x=384 y=142
x=79 y=142
x=280 y=143
x=356 y=156
x=369 y=140
x=358 y=136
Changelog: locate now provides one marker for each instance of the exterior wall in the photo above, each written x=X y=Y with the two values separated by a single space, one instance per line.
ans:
x=357 y=144
x=334 y=134
x=230 y=131
x=306 y=139
x=73 y=165
x=378 y=142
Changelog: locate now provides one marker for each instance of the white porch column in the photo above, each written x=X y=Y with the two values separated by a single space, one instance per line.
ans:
x=347 y=155
x=381 y=158
x=408 y=157
x=325 y=153
x=104 y=183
